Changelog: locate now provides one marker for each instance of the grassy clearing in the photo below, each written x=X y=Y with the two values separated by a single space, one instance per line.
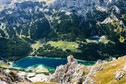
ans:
x=64 y=45
x=101 y=40
x=89 y=41
x=104 y=41
x=37 y=44
x=107 y=75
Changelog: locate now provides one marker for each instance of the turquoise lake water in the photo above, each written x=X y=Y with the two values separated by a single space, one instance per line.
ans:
x=49 y=63
x=94 y=38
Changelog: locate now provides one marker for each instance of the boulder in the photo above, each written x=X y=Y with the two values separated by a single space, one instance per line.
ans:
x=99 y=62
x=124 y=69
x=71 y=59
x=104 y=37
x=119 y=75
x=113 y=59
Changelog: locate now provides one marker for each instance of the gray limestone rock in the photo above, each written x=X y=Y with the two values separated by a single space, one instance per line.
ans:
x=99 y=62
x=119 y=75
x=124 y=69
x=2 y=82
x=67 y=74
x=10 y=76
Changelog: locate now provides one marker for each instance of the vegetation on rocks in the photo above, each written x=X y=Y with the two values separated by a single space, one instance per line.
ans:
x=107 y=75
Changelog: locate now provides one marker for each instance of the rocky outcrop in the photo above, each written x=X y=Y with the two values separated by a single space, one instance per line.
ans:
x=124 y=69
x=68 y=74
x=7 y=77
x=99 y=62
x=119 y=75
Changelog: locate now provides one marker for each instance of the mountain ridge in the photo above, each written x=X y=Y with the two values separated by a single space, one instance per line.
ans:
x=32 y=21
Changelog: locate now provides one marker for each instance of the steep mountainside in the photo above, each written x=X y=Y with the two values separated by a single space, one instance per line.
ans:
x=27 y=21
x=85 y=6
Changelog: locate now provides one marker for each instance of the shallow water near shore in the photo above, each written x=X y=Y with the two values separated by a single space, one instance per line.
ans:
x=49 y=63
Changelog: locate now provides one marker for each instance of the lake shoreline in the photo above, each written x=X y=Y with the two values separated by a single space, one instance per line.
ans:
x=49 y=63
x=57 y=58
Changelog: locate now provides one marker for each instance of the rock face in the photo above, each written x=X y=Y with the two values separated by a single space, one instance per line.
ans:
x=9 y=77
x=71 y=59
x=119 y=75
x=84 y=6
x=68 y=74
